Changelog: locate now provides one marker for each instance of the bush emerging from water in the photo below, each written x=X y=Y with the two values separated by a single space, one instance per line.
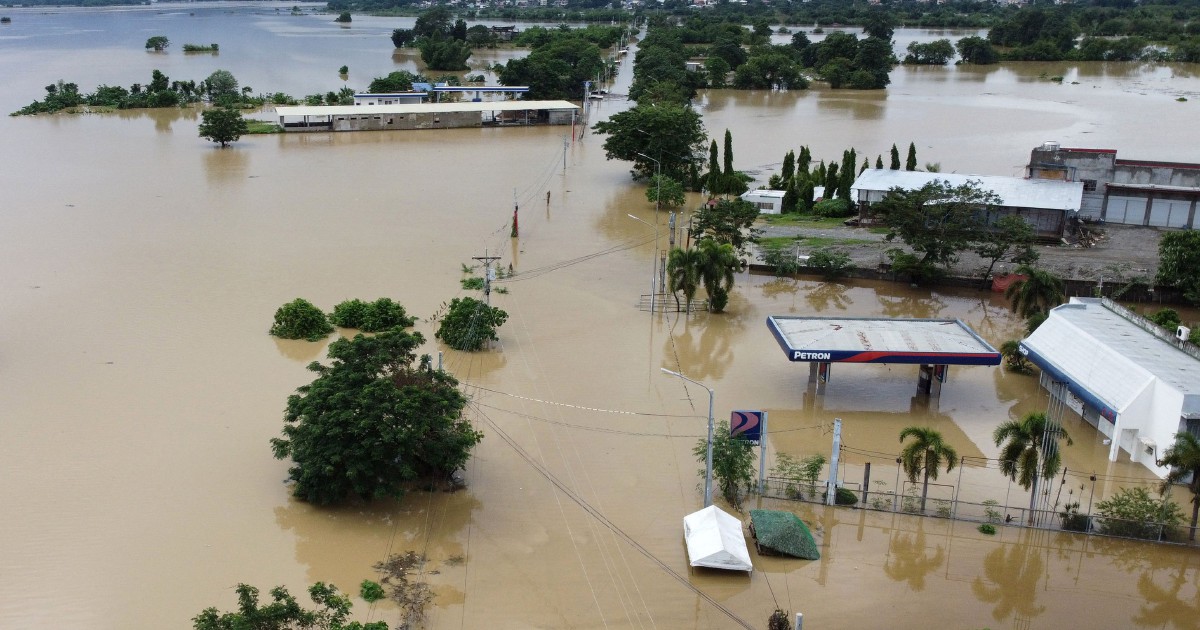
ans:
x=299 y=319
x=468 y=323
x=987 y=528
x=382 y=314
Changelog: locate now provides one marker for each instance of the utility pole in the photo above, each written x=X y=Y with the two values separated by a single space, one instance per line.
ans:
x=515 y=230
x=831 y=486
x=487 y=275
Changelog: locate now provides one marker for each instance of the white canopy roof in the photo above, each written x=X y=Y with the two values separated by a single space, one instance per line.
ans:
x=714 y=539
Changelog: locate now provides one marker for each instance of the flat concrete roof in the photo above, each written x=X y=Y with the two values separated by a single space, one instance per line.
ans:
x=1110 y=356
x=865 y=340
x=420 y=108
x=1015 y=192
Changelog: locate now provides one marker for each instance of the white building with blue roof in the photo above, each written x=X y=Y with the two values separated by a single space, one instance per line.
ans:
x=1138 y=384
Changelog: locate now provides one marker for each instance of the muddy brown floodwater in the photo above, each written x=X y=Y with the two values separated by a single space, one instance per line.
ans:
x=139 y=389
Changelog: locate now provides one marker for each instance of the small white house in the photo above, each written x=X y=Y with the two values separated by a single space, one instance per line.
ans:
x=768 y=201
x=1136 y=383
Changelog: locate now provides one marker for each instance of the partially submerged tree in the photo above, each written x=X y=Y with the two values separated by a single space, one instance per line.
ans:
x=665 y=191
x=222 y=125
x=158 y=43
x=683 y=274
x=1029 y=451
x=718 y=263
x=284 y=611
x=469 y=323
x=924 y=455
x=300 y=319
x=372 y=422
x=726 y=221
x=733 y=463
x=669 y=133
x=1034 y=296
x=1183 y=458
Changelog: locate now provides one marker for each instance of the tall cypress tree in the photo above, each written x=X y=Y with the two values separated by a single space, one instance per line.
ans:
x=846 y=176
x=805 y=159
x=866 y=165
x=879 y=162
x=895 y=166
x=911 y=163
x=789 y=168
x=714 y=172
x=728 y=169
x=831 y=181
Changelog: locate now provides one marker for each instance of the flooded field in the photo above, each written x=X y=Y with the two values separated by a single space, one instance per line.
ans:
x=142 y=265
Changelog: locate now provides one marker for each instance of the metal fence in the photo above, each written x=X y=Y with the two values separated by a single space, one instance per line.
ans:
x=908 y=501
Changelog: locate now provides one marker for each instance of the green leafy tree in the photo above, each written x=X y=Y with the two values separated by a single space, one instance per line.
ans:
x=726 y=221
x=444 y=54
x=977 y=50
x=158 y=43
x=398 y=81
x=1179 y=263
x=671 y=134
x=372 y=422
x=555 y=69
x=1183 y=458
x=770 y=68
x=718 y=264
x=1134 y=513
x=717 y=70
x=923 y=455
x=222 y=125
x=1029 y=450
x=936 y=53
x=910 y=164
x=1166 y=318
x=1009 y=238
x=343 y=18
x=879 y=161
x=1039 y=292
x=469 y=323
x=222 y=87
x=299 y=319
x=403 y=37
x=733 y=463
x=665 y=191
x=683 y=274
x=937 y=220
x=285 y=612
x=382 y=314
x=434 y=22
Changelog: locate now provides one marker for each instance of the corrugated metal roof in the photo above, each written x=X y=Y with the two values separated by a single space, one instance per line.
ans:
x=1111 y=356
x=1013 y=191
x=419 y=108
x=855 y=340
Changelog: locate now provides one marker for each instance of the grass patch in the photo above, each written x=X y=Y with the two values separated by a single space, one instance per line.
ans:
x=261 y=127
x=772 y=242
x=806 y=220
x=808 y=242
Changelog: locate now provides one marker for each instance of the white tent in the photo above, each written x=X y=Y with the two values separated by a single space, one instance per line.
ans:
x=714 y=539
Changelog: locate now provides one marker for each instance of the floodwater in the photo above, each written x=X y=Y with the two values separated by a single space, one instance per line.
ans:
x=142 y=265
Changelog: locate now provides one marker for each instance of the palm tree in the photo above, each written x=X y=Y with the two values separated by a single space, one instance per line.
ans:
x=1184 y=459
x=1039 y=292
x=1030 y=451
x=925 y=454
x=717 y=264
x=683 y=274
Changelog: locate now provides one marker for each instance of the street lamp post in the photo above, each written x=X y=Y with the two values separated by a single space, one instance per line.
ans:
x=708 y=465
x=654 y=259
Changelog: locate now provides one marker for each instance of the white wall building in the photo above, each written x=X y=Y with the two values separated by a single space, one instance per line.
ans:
x=768 y=201
x=1136 y=383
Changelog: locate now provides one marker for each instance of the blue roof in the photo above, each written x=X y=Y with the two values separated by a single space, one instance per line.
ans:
x=486 y=88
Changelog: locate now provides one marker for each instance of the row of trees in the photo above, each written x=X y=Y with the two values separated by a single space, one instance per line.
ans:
x=160 y=91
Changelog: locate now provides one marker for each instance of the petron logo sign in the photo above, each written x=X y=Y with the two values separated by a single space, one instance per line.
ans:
x=747 y=424
x=800 y=355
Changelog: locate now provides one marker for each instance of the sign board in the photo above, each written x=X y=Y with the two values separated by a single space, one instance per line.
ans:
x=747 y=424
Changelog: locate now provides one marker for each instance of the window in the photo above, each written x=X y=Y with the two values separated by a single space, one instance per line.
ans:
x=1089 y=185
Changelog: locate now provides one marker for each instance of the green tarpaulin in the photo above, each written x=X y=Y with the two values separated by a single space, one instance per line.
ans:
x=784 y=533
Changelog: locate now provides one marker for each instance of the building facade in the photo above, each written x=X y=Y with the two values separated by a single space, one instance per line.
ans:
x=1130 y=192
x=1136 y=383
